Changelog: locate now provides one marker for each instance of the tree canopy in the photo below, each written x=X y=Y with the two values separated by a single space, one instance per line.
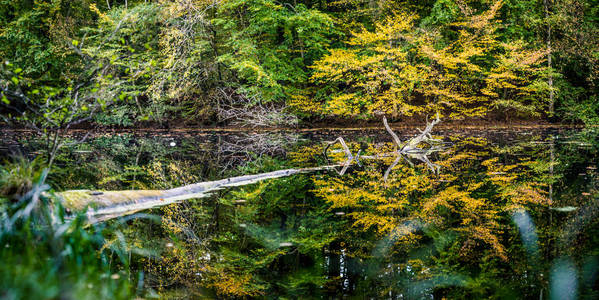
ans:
x=194 y=61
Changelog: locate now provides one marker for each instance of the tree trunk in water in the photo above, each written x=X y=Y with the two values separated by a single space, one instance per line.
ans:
x=334 y=269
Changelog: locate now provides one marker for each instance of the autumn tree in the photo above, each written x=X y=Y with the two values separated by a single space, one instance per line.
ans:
x=374 y=73
x=454 y=68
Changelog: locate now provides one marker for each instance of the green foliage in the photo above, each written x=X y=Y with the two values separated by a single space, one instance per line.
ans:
x=127 y=39
x=170 y=60
x=17 y=178
x=36 y=37
x=46 y=255
x=193 y=60
x=270 y=45
x=443 y=12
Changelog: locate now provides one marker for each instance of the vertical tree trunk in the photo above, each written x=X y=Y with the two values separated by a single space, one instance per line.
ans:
x=549 y=50
x=334 y=269
x=552 y=157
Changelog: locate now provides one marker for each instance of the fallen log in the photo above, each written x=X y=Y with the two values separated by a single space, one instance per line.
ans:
x=105 y=205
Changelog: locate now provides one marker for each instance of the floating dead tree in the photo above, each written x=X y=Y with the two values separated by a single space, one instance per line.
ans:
x=105 y=205
x=411 y=149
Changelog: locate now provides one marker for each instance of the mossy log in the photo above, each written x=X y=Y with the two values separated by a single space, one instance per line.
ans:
x=105 y=205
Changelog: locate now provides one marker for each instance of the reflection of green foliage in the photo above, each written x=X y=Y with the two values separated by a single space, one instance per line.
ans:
x=283 y=222
x=267 y=236
x=317 y=235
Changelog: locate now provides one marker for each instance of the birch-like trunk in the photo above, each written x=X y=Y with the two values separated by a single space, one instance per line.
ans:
x=549 y=57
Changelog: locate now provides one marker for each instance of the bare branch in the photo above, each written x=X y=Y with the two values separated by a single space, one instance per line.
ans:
x=395 y=137
x=424 y=136
x=395 y=162
x=246 y=111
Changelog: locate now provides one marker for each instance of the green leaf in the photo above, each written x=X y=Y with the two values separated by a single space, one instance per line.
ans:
x=5 y=100
x=15 y=80
x=75 y=43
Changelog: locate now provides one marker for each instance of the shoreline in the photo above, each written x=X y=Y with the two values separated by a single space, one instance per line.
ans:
x=315 y=127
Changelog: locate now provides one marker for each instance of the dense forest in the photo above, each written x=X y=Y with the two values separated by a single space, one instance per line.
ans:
x=181 y=149
x=271 y=63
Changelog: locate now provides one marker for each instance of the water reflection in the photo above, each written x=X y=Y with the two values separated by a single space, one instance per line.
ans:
x=507 y=214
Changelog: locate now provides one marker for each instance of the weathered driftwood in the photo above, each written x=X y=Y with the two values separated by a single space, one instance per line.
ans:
x=411 y=148
x=349 y=157
x=105 y=205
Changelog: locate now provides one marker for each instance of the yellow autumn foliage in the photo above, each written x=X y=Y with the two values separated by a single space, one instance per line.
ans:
x=448 y=202
x=400 y=69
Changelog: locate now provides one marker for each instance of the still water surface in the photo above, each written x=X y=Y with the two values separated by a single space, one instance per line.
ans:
x=488 y=214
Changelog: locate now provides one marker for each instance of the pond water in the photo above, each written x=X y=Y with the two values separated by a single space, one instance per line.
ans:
x=490 y=213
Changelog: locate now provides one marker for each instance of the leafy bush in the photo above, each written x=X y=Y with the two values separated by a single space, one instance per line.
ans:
x=16 y=177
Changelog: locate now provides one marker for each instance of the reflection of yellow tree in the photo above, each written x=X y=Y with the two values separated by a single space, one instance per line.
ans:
x=469 y=198
x=372 y=202
x=468 y=204
x=477 y=189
